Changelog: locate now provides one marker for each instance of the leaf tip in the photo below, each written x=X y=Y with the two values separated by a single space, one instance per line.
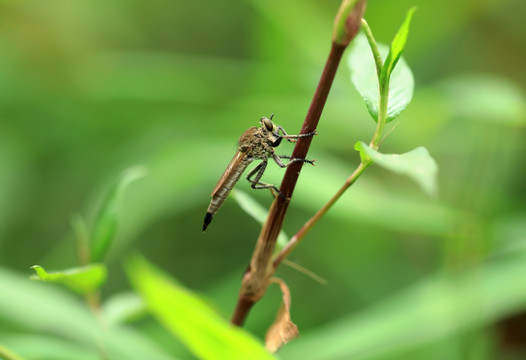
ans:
x=40 y=273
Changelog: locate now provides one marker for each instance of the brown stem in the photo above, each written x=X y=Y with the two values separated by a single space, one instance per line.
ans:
x=242 y=308
x=255 y=280
x=312 y=118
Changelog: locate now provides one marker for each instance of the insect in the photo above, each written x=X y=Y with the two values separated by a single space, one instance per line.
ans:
x=255 y=143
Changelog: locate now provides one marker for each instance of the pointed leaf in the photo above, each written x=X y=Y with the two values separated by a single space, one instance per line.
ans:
x=107 y=219
x=187 y=317
x=283 y=330
x=80 y=279
x=417 y=164
x=365 y=79
x=397 y=46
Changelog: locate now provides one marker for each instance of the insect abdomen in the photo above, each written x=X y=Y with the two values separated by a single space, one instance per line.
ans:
x=219 y=196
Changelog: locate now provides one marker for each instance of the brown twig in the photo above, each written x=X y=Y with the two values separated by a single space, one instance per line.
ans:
x=256 y=279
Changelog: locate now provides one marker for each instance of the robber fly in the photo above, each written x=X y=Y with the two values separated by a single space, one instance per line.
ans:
x=255 y=143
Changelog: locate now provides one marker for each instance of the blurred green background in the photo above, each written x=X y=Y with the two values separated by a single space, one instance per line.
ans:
x=90 y=88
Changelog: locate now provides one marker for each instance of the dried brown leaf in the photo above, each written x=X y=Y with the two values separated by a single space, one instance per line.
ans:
x=283 y=329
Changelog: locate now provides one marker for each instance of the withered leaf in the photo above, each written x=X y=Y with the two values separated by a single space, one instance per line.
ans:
x=283 y=329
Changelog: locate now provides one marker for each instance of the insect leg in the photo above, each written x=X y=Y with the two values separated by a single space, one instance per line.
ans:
x=292 y=138
x=280 y=163
x=256 y=184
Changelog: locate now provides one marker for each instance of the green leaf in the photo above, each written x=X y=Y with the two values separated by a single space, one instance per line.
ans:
x=436 y=308
x=107 y=219
x=204 y=332
x=7 y=354
x=397 y=46
x=31 y=306
x=365 y=79
x=80 y=279
x=49 y=346
x=417 y=164
x=258 y=213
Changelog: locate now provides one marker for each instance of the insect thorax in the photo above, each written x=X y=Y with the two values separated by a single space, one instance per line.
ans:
x=255 y=144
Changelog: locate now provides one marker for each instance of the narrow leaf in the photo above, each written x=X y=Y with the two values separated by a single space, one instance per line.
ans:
x=258 y=213
x=397 y=46
x=80 y=279
x=417 y=164
x=283 y=330
x=187 y=317
x=365 y=78
x=107 y=219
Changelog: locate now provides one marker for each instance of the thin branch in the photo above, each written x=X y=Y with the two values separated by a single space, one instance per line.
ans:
x=374 y=47
x=256 y=278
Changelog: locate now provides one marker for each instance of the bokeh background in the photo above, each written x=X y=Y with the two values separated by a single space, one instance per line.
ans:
x=90 y=88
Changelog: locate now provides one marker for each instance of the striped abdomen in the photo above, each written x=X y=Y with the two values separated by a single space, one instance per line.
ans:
x=228 y=180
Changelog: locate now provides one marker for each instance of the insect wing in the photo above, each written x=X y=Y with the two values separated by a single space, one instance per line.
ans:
x=236 y=161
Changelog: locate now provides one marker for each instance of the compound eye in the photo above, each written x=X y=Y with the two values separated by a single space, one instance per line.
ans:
x=268 y=124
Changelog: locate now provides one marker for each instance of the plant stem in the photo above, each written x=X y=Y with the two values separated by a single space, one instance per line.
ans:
x=382 y=116
x=255 y=280
x=82 y=237
x=374 y=47
x=375 y=143
x=257 y=276
x=296 y=239
x=312 y=118
x=383 y=88
x=343 y=32
x=243 y=307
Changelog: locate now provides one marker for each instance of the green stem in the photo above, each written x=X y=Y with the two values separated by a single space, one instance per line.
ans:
x=81 y=232
x=383 y=88
x=296 y=239
x=374 y=47
x=382 y=115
